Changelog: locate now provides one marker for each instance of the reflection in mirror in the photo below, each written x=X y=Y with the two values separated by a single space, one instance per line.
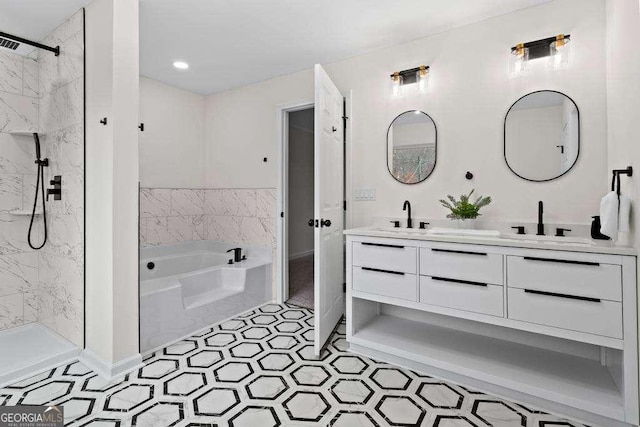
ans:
x=411 y=147
x=542 y=136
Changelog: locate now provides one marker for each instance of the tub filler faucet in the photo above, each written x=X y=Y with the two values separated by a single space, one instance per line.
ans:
x=237 y=254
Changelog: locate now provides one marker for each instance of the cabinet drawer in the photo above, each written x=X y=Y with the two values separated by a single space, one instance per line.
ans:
x=558 y=275
x=380 y=282
x=463 y=264
x=385 y=256
x=463 y=295
x=592 y=316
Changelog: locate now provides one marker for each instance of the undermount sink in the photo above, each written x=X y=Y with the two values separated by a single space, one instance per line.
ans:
x=549 y=239
x=487 y=234
x=402 y=230
x=507 y=237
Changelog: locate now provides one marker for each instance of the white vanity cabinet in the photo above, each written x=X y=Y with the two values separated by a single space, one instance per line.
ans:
x=549 y=324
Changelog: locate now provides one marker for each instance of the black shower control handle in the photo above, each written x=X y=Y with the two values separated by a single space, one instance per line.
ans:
x=56 y=191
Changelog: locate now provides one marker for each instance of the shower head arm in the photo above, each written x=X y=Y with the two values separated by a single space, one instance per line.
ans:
x=55 y=50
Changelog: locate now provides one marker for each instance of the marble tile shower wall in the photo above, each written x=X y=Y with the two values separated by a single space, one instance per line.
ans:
x=50 y=282
x=230 y=215
x=18 y=263
x=61 y=262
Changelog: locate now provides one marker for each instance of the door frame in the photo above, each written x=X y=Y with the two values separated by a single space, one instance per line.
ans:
x=282 y=190
x=282 y=223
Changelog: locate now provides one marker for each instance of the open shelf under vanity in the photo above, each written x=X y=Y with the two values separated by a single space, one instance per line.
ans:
x=553 y=329
x=576 y=381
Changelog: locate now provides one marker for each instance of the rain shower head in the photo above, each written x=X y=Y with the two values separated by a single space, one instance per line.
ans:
x=12 y=42
x=8 y=44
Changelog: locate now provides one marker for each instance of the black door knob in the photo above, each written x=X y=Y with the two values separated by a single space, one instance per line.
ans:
x=325 y=223
x=310 y=223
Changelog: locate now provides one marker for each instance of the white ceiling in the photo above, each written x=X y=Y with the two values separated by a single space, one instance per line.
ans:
x=34 y=19
x=231 y=43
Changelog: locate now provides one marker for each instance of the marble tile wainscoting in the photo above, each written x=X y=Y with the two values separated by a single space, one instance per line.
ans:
x=242 y=216
x=18 y=262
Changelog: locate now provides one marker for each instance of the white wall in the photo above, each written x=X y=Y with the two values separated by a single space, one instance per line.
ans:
x=112 y=181
x=99 y=172
x=301 y=152
x=469 y=94
x=623 y=98
x=241 y=130
x=172 y=144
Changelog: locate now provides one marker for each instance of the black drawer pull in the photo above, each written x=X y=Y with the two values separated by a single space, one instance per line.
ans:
x=377 y=270
x=382 y=245
x=563 y=261
x=459 y=252
x=464 y=282
x=553 y=294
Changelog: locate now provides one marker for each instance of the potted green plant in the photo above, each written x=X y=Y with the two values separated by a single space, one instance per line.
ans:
x=464 y=211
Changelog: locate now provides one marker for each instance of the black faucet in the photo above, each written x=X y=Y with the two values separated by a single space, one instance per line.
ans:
x=407 y=207
x=540 y=222
x=237 y=254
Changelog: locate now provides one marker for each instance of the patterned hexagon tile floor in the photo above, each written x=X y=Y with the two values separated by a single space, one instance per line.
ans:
x=258 y=370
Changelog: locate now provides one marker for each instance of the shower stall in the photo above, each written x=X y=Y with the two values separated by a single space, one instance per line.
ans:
x=42 y=153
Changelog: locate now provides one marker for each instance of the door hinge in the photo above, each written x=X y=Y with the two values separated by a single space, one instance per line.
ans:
x=345 y=205
x=281 y=214
x=344 y=287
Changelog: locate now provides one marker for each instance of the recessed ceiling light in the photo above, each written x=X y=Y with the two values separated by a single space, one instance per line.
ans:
x=181 y=65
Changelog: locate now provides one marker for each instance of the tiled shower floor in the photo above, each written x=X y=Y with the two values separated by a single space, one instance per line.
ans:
x=257 y=370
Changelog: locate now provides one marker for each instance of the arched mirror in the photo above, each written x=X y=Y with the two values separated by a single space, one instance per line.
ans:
x=411 y=147
x=542 y=135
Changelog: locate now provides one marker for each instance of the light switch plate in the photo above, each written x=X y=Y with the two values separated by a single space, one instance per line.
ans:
x=365 y=194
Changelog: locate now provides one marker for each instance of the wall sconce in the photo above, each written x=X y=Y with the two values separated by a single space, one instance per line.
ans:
x=418 y=75
x=559 y=51
x=555 y=48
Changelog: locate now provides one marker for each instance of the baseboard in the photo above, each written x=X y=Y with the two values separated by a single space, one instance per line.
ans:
x=107 y=370
x=300 y=255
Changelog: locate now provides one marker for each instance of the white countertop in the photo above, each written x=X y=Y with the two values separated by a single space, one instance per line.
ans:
x=508 y=240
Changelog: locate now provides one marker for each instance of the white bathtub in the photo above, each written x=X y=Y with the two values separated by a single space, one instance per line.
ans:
x=188 y=286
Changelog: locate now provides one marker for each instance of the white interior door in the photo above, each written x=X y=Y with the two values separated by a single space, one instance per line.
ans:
x=329 y=198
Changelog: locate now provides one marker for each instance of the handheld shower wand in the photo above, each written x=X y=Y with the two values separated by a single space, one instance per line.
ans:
x=36 y=139
x=41 y=164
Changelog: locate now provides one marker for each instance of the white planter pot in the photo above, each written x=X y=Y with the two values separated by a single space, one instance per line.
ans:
x=466 y=224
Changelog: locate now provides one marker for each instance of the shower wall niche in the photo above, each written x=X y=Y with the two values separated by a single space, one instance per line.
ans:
x=44 y=93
